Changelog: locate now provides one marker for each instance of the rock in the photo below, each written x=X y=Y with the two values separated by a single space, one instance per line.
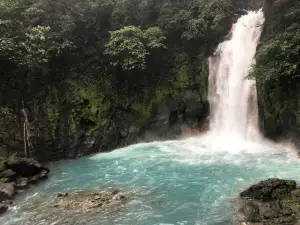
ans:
x=287 y=220
x=62 y=194
x=296 y=194
x=4 y=180
x=271 y=202
x=25 y=167
x=88 y=201
x=9 y=174
x=3 y=208
x=270 y=189
x=162 y=113
x=21 y=183
x=270 y=210
x=7 y=191
x=250 y=212
x=44 y=174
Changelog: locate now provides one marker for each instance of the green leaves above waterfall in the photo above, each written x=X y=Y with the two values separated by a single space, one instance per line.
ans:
x=129 y=46
x=76 y=64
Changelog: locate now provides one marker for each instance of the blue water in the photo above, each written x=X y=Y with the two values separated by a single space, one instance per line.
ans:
x=193 y=181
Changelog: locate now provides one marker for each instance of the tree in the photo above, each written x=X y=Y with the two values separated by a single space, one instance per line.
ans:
x=129 y=46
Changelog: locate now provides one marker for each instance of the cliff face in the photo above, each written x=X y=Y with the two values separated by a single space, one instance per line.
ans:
x=277 y=70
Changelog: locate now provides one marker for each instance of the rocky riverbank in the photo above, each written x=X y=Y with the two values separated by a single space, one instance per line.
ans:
x=271 y=202
x=76 y=207
x=16 y=175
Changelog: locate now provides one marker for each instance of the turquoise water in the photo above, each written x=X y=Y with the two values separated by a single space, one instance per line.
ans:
x=194 y=181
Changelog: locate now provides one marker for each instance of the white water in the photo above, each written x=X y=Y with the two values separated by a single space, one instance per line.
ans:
x=233 y=98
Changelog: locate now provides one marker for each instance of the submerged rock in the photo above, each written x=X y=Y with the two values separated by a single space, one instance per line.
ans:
x=89 y=201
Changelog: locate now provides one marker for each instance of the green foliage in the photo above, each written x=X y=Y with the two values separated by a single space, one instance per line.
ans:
x=4 y=113
x=53 y=117
x=102 y=56
x=277 y=69
x=129 y=46
x=95 y=105
x=143 y=109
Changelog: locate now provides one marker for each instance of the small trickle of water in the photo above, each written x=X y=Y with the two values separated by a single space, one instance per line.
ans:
x=233 y=98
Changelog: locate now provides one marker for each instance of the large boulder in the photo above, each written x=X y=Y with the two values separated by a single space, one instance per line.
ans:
x=7 y=191
x=271 y=202
x=25 y=167
x=270 y=189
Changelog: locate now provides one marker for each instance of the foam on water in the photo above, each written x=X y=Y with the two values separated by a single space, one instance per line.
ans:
x=191 y=181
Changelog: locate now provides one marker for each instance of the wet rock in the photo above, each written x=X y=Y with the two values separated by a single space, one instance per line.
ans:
x=296 y=194
x=62 y=194
x=21 y=182
x=89 y=201
x=287 y=220
x=270 y=189
x=270 y=210
x=25 y=167
x=9 y=174
x=7 y=191
x=251 y=212
x=3 y=208
x=271 y=202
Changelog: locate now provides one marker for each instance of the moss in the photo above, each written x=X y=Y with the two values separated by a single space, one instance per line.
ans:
x=94 y=106
x=73 y=127
x=182 y=78
x=160 y=96
x=53 y=117
x=143 y=110
x=4 y=180
x=292 y=205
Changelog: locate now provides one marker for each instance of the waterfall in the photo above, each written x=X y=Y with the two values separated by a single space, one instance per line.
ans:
x=233 y=98
x=26 y=133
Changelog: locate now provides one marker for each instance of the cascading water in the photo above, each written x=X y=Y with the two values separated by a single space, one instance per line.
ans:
x=232 y=97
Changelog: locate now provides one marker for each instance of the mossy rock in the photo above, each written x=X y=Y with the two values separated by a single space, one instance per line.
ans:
x=4 y=180
x=296 y=194
x=293 y=205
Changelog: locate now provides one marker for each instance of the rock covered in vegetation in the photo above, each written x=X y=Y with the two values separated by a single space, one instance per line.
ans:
x=271 y=202
x=269 y=189
x=8 y=174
